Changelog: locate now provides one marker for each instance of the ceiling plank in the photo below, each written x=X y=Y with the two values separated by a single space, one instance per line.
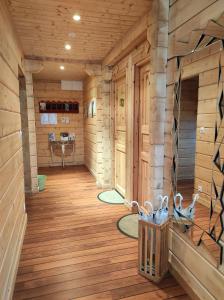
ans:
x=136 y=34
x=43 y=26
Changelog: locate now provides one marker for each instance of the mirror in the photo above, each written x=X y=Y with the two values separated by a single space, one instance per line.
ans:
x=198 y=160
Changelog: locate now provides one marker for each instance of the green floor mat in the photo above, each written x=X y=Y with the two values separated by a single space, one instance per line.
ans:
x=111 y=197
x=128 y=225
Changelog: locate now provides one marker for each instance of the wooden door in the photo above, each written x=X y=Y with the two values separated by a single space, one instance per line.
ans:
x=120 y=136
x=144 y=142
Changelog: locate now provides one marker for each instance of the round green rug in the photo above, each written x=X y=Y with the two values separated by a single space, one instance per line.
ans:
x=128 y=225
x=111 y=197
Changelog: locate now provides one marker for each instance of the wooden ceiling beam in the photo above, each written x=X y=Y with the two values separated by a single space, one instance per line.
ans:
x=136 y=35
x=45 y=26
x=93 y=69
x=62 y=60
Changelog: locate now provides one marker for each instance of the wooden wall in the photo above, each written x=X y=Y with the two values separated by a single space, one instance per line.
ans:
x=187 y=129
x=207 y=107
x=44 y=90
x=123 y=118
x=93 y=126
x=184 y=17
x=154 y=49
x=12 y=213
x=98 y=138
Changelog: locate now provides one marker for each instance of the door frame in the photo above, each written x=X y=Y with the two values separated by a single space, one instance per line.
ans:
x=137 y=63
x=115 y=78
x=136 y=111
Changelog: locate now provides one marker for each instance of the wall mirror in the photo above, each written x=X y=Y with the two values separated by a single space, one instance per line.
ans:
x=198 y=146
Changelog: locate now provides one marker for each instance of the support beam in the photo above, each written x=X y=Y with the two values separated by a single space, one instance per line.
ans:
x=157 y=37
x=136 y=35
x=61 y=60
x=93 y=69
x=32 y=66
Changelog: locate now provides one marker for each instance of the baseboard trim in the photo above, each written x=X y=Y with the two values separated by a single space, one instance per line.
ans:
x=187 y=280
x=183 y=283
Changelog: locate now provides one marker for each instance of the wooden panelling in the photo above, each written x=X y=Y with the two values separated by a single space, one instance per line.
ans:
x=183 y=11
x=102 y=24
x=144 y=135
x=13 y=217
x=187 y=131
x=5 y=94
x=127 y=135
x=185 y=261
x=132 y=39
x=209 y=279
x=9 y=145
x=10 y=122
x=120 y=135
x=44 y=90
x=91 y=133
x=65 y=257
x=193 y=22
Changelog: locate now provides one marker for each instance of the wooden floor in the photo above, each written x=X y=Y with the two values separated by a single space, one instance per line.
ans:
x=73 y=250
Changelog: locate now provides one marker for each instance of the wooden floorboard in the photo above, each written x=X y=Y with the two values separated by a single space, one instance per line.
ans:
x=73 y=250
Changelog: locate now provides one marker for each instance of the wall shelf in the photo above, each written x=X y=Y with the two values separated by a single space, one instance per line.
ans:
x=58 y=107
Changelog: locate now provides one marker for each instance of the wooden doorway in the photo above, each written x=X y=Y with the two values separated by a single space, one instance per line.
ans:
x=120 y=136
x=141 y=133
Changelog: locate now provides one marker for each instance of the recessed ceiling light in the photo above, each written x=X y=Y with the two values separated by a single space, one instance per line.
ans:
x=68 y=47
x=76 y=18
x=62 y=67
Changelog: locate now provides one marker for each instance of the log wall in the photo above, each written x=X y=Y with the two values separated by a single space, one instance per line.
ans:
x=92 y=128
x=97 y=128
x=12 y=213
x=187 y=129
x=191 y=269
x=51 y=91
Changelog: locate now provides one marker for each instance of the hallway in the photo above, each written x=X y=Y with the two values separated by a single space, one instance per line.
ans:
x=73 y=250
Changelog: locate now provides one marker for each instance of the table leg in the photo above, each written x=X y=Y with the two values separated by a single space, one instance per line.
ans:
x=51 y=148
x=63 y=153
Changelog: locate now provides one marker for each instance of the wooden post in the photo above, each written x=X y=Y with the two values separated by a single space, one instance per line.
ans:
x=31 y=67
x=158 y=39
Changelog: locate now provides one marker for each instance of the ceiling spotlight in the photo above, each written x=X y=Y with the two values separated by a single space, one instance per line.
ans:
x=62 y=67
x=68 y=47
x=76 y=18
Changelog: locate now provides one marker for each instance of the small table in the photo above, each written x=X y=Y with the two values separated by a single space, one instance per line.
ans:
x=62 y=145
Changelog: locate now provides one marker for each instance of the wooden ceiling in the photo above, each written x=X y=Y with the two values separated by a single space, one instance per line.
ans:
x=43 y=26
x=51 y=71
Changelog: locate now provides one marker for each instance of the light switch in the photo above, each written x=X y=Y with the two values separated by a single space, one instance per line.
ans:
x=20 y=134
x=202 y=129
x=200 y=188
